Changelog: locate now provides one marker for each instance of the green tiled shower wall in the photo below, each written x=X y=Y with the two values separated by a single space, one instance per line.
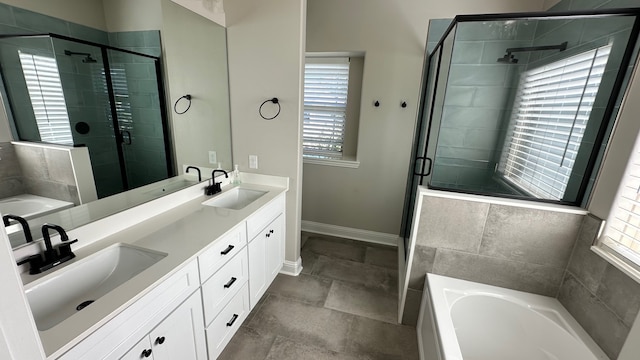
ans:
x=480 y=91
x=85 y=92
x=478 y=98
x=145 y=158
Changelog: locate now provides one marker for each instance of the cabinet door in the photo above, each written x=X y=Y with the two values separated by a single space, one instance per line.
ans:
x=181 y=334
x=258 y=277
x=142 y=350
x=275 y=247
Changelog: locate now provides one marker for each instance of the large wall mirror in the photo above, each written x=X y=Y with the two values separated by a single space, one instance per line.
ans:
x=88 y=125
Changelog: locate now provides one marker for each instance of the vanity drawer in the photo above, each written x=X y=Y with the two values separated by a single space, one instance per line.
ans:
x=224 y=284
x=225 y=325
x=262 y=218
x=222 y=251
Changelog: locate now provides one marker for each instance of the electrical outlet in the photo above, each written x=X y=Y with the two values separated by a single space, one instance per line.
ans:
x=213 y=157
x=253 y=161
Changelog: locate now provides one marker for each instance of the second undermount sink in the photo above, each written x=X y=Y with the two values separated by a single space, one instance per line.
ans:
x=235 y=199
x=63 y=293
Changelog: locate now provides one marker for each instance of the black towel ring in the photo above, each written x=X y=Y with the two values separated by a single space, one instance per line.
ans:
x=175 y=106
x=275 y=101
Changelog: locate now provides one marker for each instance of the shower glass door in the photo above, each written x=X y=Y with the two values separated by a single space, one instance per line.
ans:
x=435 y=82
x=142 y=133
x=82 y=72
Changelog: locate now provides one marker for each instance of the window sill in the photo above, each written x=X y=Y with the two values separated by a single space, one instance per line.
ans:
x=618 y=263
x=353 y=164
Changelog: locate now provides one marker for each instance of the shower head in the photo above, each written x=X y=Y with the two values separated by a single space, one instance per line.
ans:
x=88 y=59
x=508 y=59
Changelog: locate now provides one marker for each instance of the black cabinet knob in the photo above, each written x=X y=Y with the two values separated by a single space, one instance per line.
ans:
x=145 y=353
x=271 y=231
x=160 y=340
x=267 y=235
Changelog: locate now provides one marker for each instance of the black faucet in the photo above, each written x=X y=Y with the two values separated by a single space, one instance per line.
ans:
x=197 y=169
x=23 y=223
x=215 y=188
x=53 y=256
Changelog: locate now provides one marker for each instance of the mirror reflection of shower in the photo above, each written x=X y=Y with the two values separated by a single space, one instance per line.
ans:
x=87 y=57
x=81 y=94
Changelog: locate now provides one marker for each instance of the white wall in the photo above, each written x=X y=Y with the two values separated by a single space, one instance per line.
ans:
x=85 y=12
x=136 y=15
x=393 y=35
x=266 y=60
x=550 y=3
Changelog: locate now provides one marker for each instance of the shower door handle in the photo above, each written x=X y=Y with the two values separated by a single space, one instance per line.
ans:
x=428 y=168
x=125 y=137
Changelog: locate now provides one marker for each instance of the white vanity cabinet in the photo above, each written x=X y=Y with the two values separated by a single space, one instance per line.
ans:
x=194 y=313
x=265 y=228
x=224 y=272
x=124 y=331
x=179 y=336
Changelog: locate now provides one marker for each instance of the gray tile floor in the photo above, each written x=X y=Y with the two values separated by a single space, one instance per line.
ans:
x=342 y=307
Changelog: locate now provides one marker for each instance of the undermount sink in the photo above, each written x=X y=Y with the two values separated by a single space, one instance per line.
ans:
x=235 y=199
x=63 y=293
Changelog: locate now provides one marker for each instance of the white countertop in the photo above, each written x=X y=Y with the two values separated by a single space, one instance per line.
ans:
x=182 y=232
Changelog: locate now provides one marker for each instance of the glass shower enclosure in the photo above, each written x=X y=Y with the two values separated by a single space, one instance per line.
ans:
x=67 y=91
x=521 y=105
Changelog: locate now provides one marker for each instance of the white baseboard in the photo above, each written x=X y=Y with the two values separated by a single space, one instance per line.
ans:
x=292 y=268
x=350 y=233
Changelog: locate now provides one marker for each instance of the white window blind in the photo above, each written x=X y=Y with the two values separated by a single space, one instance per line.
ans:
x=550 y=115
x=622 y=230
x=120 y=92
x=47 y=98
x=326 y=84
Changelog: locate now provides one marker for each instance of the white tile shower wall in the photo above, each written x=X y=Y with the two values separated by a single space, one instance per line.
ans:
x=514 y=247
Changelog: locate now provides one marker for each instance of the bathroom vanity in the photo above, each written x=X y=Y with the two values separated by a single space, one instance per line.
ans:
x=183 y=280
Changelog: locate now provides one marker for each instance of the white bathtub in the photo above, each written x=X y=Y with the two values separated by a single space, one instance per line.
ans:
x=31 y=206
x=471 y=321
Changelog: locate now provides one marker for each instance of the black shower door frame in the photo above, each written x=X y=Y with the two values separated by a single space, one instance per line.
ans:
x=112 y=104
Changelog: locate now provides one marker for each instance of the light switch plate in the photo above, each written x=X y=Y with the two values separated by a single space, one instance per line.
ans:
x=213 y=157
x=253 y=161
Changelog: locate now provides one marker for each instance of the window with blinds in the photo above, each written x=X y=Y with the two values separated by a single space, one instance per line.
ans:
x=550 y=115
x=47 y=98
x=326 y=85
x=622 y=230
x=120 y=93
